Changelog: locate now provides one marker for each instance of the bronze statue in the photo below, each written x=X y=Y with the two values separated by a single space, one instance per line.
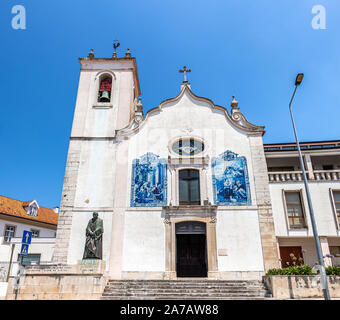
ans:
x=94 y=238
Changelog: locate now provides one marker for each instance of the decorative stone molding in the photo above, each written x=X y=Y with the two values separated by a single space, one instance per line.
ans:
x=213 y=219
x=208 y=211
x=237 y=119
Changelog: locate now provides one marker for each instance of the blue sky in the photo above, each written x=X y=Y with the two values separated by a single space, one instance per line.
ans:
x=250 y=49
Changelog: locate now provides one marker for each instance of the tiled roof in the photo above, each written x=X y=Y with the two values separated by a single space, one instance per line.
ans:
x=16 y=208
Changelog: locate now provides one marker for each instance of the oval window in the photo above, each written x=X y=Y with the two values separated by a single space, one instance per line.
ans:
x=188 y=147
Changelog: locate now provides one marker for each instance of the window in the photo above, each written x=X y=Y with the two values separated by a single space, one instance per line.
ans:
x=9 y=233
x=32 y=211
x=327 y=167
x=189 y=187
x=271 y=148
x=289 y=148
x=336 y=197
x=188 y=147
x=335 y=251
x=294 y=208
x=35 y=233
x=104 y=93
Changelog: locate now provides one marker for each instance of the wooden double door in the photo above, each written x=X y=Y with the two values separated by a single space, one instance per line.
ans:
x=191 y=252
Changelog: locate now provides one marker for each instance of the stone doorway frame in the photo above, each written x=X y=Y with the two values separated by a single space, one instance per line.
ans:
x=176 y=214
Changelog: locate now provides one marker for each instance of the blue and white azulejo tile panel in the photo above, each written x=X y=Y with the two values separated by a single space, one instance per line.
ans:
x=230 y=180
x=149 y=181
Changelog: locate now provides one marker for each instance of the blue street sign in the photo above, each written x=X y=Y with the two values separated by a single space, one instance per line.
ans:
x=24 y=250
x=26 y=237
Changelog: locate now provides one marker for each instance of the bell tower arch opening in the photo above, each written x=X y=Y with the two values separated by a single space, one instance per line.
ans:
x=105 y=88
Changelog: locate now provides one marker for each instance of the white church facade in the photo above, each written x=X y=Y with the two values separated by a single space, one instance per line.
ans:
x=187 y=190
x=186 y=184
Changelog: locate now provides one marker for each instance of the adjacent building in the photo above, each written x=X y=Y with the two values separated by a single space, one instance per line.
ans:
x=15 y=217
x=288 y=197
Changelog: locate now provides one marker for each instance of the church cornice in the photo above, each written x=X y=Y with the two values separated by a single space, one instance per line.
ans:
x=236 y=118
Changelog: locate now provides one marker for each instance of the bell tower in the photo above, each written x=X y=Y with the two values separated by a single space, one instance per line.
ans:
x=107 y=95
x=107 y=101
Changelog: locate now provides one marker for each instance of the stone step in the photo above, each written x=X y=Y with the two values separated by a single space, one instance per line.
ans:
x=191 y=295
x=124 y=287
x=187 y=281
x=177 y=292
x=187 y=286
x=182 y=298
x=184 y=289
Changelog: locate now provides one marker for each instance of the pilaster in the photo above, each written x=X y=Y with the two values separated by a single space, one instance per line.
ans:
x=325 y=251
x=67 y=203
x=267 y=230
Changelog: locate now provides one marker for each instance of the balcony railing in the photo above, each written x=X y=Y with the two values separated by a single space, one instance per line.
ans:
x=327 y=174
x=318 y=175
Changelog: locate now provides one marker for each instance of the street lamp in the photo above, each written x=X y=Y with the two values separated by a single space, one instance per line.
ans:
x=324 y=283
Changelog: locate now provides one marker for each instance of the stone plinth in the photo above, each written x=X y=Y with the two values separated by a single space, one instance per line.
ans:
x=83 y=281
x=301 y=287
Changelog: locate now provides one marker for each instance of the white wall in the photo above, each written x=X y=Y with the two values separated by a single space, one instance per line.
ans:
x=44 y=245
x=20 y=227
x=3 y=290
x=96 y=175
x=322 y=206
x=238 y=232
x=144 y=241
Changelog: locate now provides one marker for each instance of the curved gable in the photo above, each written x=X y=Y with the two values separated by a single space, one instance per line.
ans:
x=187 y=99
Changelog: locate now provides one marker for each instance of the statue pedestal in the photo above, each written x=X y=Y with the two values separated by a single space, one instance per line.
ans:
x=82 y=281
x=91 y=266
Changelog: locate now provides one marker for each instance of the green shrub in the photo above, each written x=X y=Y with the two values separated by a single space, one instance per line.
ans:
x=333 y=271
x=305 y=270
x=291 y=271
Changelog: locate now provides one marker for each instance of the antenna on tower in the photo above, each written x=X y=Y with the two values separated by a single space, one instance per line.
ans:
x=116 y=44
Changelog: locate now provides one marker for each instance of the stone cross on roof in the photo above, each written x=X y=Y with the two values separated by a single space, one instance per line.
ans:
x=185 y=70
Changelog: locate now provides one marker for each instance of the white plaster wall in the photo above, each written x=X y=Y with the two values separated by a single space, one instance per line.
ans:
x=238 y=233
x=144 y=241
x=3 y=290
x=101 y=122
x=190 y=118
x=5 y=248
x=96 y=175
x=78 y=235
x=42 y=246
x=322 y=206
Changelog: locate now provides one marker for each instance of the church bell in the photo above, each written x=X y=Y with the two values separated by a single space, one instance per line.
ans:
x=104 y=96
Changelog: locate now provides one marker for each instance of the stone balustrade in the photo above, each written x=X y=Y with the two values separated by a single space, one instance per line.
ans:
x=318 y=175
x=284 y=176
x=327 y=175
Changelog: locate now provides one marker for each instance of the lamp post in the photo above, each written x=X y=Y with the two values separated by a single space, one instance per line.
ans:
x=324 y=283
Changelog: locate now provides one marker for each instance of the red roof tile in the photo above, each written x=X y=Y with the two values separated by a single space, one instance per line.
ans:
x=16 y=208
